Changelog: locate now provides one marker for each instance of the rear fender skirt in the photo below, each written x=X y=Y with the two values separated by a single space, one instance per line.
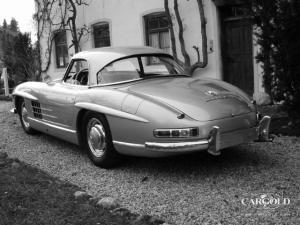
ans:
x=109 y=111
x=25 y=95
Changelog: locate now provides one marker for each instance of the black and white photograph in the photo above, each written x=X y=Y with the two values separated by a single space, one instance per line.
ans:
x=149 y=112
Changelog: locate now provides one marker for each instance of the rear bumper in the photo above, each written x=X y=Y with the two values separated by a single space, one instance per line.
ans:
x=217 y=141
x=213 y=144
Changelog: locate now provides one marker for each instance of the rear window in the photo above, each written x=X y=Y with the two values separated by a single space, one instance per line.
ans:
x=138 y=67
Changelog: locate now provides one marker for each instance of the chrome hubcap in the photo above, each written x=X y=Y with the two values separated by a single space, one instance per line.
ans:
x=24 y=114
x=96 y=137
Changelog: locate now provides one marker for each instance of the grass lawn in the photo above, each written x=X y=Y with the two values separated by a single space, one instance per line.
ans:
x=30 y=196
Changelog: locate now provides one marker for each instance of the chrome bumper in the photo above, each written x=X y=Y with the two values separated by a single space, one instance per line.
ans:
x=263 y=129
x=217 y=141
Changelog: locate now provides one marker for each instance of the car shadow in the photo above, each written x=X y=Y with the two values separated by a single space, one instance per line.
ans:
x=231 y=159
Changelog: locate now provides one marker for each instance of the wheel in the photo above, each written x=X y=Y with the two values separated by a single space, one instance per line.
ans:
x=98 y=141
x=23 y=114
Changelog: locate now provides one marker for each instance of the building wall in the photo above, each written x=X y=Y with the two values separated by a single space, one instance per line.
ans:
x=127 y=29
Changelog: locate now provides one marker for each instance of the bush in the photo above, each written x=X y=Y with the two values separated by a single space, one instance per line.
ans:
x=19 y=57
x=278 y=35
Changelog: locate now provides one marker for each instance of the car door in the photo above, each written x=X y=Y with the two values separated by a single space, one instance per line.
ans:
x=58 y=98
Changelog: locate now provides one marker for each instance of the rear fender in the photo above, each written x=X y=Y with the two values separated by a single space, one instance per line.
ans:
x=109 y=111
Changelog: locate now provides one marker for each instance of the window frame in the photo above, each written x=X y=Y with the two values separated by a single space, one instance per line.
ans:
x=99 y=24
x=61 y=46
x=69 y=69
x=158 y=30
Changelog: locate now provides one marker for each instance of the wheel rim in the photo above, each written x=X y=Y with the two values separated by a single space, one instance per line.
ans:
x=96 y=137
x=24 y=115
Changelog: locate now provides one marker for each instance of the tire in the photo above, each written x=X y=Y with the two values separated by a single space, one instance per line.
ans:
x=97 y=140
x=23 y=115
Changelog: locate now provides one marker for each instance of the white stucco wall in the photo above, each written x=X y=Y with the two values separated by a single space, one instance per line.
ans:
x=126 y=21
x=127 y=28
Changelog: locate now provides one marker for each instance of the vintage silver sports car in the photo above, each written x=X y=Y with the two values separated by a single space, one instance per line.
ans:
x=138 y=101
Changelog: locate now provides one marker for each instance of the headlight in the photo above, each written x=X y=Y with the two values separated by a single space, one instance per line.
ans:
x=176 y=133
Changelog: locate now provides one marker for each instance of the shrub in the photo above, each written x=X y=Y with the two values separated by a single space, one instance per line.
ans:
x=278 y=35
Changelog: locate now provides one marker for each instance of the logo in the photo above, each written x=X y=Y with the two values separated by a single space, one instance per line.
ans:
x=266 y=201
x=211 y=93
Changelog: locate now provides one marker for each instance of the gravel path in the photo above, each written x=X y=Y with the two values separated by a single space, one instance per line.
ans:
x=190 y=189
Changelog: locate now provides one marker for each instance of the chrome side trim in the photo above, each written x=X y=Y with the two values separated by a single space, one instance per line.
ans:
x=46 y=115
x=52 y=123
x=45 y=109
x=129 y=144
x=52 y=126
x=25 y=95
x=109 y=111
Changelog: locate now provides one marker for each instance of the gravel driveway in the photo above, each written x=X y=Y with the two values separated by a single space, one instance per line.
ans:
x=190 y=189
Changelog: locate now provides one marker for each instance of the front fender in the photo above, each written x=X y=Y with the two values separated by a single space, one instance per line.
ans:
x=24 y=94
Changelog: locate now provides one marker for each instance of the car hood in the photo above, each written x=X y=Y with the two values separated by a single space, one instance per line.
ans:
x=200 y=99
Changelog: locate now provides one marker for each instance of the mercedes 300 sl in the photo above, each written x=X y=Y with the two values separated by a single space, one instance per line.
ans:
x=138 y=101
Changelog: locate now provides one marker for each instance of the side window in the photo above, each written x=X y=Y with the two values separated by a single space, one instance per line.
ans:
x=78 y=73
x=101 y=34
x=61 y=49
x=121 y=70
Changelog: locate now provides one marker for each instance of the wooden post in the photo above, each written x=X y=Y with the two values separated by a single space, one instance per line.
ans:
x=5 y=78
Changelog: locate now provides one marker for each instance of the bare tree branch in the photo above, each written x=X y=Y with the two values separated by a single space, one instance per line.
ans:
x=53 y=16
x=172 y=33
x=204 y=63
x=187 y=60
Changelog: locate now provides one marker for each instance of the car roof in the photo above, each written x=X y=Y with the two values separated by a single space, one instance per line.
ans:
x=112 y=53
x=100 y=57
x=125 y=51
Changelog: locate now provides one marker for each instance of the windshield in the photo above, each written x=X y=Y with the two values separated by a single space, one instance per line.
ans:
x=138 y=67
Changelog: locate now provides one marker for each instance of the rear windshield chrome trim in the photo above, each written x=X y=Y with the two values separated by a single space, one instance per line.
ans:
x=115 y=83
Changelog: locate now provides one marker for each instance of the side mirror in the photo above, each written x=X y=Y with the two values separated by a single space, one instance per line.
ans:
x=48 y=80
